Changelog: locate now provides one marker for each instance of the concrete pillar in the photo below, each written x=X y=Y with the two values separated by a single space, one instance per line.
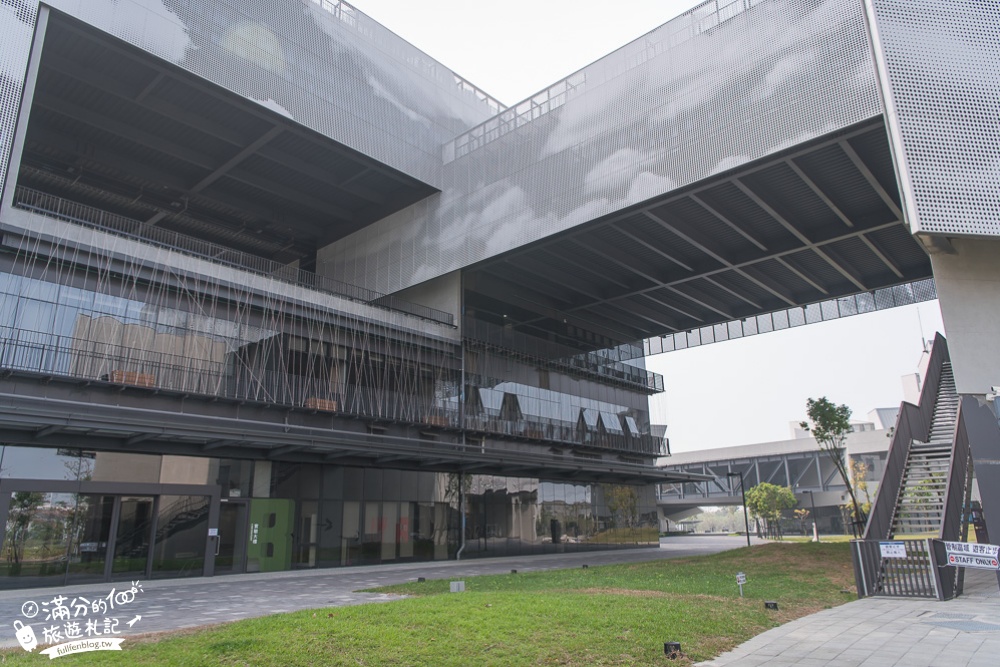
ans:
x=984 y=442
x=968 y=285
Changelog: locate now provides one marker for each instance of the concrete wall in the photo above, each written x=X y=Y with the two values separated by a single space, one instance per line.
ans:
x=968 y=285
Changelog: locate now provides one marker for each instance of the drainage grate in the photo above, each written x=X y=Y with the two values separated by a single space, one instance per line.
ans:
x=947 y=615
x=966 y=626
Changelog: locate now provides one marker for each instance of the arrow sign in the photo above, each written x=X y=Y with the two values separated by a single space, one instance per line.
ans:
x=981 y=562
x=981 y=556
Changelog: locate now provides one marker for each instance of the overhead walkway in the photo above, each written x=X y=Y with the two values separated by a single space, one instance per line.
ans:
x=798 y=464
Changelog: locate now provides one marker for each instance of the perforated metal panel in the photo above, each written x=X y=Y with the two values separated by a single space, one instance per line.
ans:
x=939 y=66
x=320 y=62
x=725 y=84
x=17 y=23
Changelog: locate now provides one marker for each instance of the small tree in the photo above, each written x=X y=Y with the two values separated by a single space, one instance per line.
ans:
x=830 y=425
x=767 y=501
x=859 y=475
x=802 y=515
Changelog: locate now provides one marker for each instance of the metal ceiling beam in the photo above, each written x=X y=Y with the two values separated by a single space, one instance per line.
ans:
x=870 y=177
x=744 y=268
x=882 y=256
x=282 y=451
x=216 y=444
x=507 y=292
x=739 y=296
x=242 y=155
x=149 y=88
x=805 y=240
x=227 y=133
x=295 y=163
x=729 y=223
x=671 y=306
x=618 y=257
x=632 y=309
x=142 y=437
x=702 y=300
x=589 y=269
x=552 y=274
x=802 y=276
x=818 y=191
x=217 y=93
x=722 y=260
x=616 y=226
x=321 y=206
x=47 y=431
x=186 y=154
x=96 y=79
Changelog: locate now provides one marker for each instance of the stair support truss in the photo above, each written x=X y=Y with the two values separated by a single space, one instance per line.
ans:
x=923 y=498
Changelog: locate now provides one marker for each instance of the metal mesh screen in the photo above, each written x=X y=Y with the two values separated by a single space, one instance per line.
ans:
x=940 y=70
x=322 y=63
x=17 y=23
x=725 y=84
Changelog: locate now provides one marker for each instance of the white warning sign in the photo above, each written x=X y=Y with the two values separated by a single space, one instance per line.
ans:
x=965 y=554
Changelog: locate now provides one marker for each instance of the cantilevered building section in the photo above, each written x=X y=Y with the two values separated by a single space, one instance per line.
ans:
x=270 y=270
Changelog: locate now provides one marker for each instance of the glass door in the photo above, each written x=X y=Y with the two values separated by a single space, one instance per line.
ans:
x=231 y=553
x=133 y=537
x=89 y=535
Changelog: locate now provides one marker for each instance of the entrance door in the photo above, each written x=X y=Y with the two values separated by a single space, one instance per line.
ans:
x=133 y=537
x=89 y=539
x=231 y=554
x=269 y=547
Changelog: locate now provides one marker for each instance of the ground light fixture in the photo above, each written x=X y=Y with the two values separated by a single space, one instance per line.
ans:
x=671 y=649
x=771 y=604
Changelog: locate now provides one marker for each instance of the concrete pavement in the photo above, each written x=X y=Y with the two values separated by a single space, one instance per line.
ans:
x=884 y=632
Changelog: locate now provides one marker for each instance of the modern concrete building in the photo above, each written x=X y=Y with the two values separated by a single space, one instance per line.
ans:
x=279 y=290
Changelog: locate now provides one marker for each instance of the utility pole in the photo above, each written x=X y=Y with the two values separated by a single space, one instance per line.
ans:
x=743 y=493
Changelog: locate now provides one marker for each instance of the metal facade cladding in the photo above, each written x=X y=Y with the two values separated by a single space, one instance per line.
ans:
x=716 y=88
x=323 y=64
x=939 y=65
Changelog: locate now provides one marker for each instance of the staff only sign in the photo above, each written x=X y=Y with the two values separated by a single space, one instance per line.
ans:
x=964 y=554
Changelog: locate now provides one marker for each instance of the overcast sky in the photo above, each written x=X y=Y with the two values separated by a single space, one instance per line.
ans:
x=718 y=395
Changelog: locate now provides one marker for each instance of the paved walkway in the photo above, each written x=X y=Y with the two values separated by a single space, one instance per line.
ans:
x=174 y=604
x=882 y=632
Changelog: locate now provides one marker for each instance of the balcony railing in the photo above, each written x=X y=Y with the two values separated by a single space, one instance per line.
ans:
x=560 y=357
x=683 y=28
x=88 y=216
x=54 y=355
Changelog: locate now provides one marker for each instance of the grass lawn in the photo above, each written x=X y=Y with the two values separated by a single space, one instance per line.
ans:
x=610 y=615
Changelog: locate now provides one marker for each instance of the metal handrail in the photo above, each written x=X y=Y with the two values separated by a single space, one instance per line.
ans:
x=560 y=357
x=910 y=576
x=95 y=218
x=690 y=24
x=348 y=15
x=913 y=423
